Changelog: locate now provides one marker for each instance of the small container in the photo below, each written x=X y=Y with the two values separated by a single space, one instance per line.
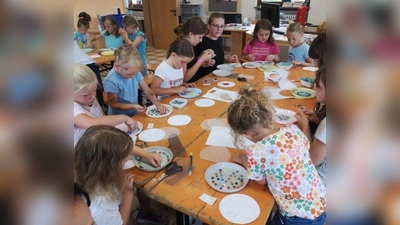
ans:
x=307 y=82
x=284 y=65
x=178 y=102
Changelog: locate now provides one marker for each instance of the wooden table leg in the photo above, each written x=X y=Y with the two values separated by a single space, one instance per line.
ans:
x=182 y=219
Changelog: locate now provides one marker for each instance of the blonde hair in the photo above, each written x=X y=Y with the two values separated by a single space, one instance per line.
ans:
x=295 y=27
x=128 y=54
x=83 y=76
x=252 y=108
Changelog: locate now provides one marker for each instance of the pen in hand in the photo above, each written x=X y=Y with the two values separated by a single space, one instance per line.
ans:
x=191 y=164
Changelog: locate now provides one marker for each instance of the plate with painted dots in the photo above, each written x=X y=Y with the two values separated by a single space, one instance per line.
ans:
x=226 y=177
x=166 y=157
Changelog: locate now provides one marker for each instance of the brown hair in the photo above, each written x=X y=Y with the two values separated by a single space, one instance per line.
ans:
x=126 y=54
x=113 y=21
x=181 y=47
x=193 y=24
x=318 y=49
x=84 y=20
x=295 y=27
x=130 y=21
x=215 y=16
x=98 y=160
x=321 y=76
x=265 y=25
x=252 y=108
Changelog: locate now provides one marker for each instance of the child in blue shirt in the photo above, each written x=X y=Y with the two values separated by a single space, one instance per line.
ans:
x=111 y=36
x=81 y=36
x=123 y=81
x=132 y=35
x=298 y=51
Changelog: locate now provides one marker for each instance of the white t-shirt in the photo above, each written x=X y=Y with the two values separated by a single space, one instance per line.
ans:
x=80 y=56
x=320 y=134
x=171 y=77
x=93 y=111
x=105 y=212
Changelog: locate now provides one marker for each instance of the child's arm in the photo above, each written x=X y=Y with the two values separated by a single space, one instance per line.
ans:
x=113 y=103
x=152 y=157
x=276 y=58
x=317 y=151
x=233 y=58
x=153 y=98
x=89 y=44
x=155 y=87
x=205 y=56
x=309 y=62
x=97 y=37
x=302 y=123
x=127 y=197
x=84 y=121
x=135 y=42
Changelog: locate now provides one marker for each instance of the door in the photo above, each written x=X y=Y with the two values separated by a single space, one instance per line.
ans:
x=164 y=18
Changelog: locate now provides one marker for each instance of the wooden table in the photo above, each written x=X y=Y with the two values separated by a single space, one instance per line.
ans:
x=103 y=59
x=183 y=193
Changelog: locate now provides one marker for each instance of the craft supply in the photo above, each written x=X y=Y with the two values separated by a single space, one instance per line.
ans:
x=191 y=164
x=150 y=125
x=170 y=169
x=207 y=199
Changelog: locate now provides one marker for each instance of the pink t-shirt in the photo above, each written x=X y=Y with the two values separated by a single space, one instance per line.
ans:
x=261 y=50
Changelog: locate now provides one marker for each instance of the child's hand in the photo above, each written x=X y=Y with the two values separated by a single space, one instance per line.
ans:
x=189 y=85
x=211 y=62
x=270 y=58
x=131 y=124
x=122 y=32
x=161 y=108
x=207 y=54
x=181 y=89
x=251 y=57
x=129 y=178
x=302 y=120
x=311 y=115
x=233 y=58
x=241 y=158
x=153 y=158
x=297 y=63
x=139 y=108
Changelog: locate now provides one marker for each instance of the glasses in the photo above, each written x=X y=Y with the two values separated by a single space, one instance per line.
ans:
x=218 y=27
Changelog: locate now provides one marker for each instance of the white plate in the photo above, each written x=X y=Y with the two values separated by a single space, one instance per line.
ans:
x=153 y=112
x=284 y=116
x=124 y=128
x=286 y=84
x=303 y=93
x=285 y=65
x=273 y=75
x=179 y=120
x=239 y=208
x=104 y=49
x=87 y=50
x=222 y=73
x=228 y=67
x=152 y=135
x=178 y=102
x=250 y=65
x=226 y=84
x=107 y=53
x=226 y=177
x=191 y=93
x=204 y=102
x=310 y=68
x=166 y=157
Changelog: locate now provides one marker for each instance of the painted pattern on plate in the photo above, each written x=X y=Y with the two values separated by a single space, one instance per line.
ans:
x=227 y=179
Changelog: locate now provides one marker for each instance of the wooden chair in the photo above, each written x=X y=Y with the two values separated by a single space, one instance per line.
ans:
x=322 y=27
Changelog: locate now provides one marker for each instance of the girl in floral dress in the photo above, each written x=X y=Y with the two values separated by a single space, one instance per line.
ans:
x=280 y=159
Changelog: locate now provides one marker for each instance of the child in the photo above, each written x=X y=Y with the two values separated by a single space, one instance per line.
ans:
x=318 y=49
x=318 y=145
x=169 y=74
x=87 y=111
x=99 y=158
x=81 y=36
x=112 y=37
x=298 y=51
x=193 y=30
x=123 y=81
x=278 y=158
x=213 y=41
x=133 y=36
x=262 y=47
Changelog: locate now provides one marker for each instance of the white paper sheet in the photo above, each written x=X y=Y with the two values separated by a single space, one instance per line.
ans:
x=221 y=136
x=239 y=208
x=221 y=95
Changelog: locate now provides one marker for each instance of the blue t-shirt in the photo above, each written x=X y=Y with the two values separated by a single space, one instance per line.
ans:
x=80 y=39
x=141 y=47
x=298 y=53
x=126 y=89
x=112 y=41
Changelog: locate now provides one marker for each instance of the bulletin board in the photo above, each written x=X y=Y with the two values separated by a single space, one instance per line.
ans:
x=222 y=6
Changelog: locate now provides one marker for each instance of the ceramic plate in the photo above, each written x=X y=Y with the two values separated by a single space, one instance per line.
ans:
x=166 y=157
x=179 y=120
x=124 y=128
x=226 y=84
x=284 y=116
x=303 y=93
x=222 y=73
x=107 y=53
x=236 y=64
x=204 y=102
x=154 y=113
x=178 y=102
x=87 y=50
x=191 y=93
x=104 y=49
x=226 y=177
x=266 y=68
x=286 y=84
x=228 y=67
x=310 y=68
x=250 y=65
x=274 y=76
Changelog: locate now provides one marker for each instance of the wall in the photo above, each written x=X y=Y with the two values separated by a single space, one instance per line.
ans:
x=94 y=7
x=317 y=13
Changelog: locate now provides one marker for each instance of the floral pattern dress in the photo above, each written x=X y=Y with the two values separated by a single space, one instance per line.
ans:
x=283 y=160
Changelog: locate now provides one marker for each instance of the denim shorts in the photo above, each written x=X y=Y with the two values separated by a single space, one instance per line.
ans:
x=294 y=220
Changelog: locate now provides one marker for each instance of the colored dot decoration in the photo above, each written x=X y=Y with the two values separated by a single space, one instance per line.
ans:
x=228 y=179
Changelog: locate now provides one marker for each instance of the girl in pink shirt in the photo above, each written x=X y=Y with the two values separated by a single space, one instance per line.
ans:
x=262 y=47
